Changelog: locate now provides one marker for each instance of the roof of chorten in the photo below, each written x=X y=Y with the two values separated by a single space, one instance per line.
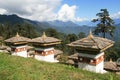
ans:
x=74 y=56
x=92 y=42
x=111 y=66
x=57 y=52
x=45 y=40
x=17 y=39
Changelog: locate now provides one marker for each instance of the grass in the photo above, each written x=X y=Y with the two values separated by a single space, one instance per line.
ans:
x=18 y=68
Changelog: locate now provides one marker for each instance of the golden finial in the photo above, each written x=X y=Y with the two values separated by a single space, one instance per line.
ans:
x=110 y=60
x=90 y=34
x=44 y=35
x=17 y=35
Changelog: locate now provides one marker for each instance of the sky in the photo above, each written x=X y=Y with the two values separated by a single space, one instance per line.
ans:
x=64 y=10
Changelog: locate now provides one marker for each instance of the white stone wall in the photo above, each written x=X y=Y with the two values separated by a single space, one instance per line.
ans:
x=48 y=58
x=94 y=68
x=98 y=68
x=20 y=53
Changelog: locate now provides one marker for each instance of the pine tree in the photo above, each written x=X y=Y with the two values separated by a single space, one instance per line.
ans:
x=105 y=23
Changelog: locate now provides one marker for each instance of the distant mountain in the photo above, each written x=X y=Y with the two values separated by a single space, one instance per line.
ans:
x=117 y=32
x=58 y=23
x=14 y=19
x=11 y=18
x=64 y=27
x=68 y=27
x=117 y=21
x=89 y=23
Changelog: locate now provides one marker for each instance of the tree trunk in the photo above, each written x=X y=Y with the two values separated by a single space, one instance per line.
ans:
x=104 y=34
x=104 y=30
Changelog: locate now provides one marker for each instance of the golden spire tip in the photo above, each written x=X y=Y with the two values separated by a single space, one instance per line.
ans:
x=90 y=34
x=44 y=35
x=17 y=35
x=111 y=60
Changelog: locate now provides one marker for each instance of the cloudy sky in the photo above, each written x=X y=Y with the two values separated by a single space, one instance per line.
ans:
x=65 y=10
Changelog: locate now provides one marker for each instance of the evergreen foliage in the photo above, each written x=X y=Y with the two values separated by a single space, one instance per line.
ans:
x=81 y=35
x=113 y=52
x=105 y=23
x=7 y=30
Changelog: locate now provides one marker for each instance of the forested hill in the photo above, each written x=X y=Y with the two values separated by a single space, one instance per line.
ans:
x=68 y=27
x=13 y=19
x=65 y=27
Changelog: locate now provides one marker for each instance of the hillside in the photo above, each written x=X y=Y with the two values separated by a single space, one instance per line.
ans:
x=67 y=27
x=64 y=27
x=18 y=68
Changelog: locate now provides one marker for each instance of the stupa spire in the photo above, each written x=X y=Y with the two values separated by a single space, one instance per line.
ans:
x=17 y=35
x=90 y=34
x=110 y=60
x=44 y=35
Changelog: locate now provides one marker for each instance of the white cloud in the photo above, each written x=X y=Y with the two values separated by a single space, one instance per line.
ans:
x=2 y=11
x=32 y=9
x=42 y=10
x=116 y=15
x=67 y=13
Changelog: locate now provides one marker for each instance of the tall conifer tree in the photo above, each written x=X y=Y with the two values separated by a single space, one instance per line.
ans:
x=105 y=23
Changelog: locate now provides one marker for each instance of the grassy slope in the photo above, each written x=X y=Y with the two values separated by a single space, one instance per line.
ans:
x=17 y=68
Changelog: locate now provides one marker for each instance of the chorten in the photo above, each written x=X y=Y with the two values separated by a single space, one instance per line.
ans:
x=18 y=45
x=91 y=52
x=44 y=47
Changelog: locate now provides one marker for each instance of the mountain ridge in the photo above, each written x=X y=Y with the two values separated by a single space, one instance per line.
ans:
x=67 y=27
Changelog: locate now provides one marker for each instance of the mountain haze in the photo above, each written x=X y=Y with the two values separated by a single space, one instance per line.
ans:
x=67 y=27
